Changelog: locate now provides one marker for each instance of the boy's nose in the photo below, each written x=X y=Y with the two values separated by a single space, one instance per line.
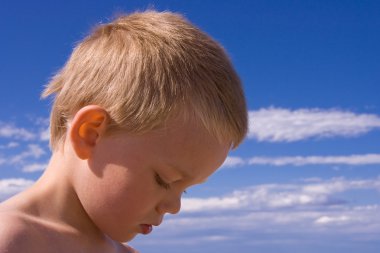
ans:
x=170 y=205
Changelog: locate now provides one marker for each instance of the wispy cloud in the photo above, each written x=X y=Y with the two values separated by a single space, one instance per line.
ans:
x=45 y=134
x=9 y=145
x=365 y=159
x=282 y=219
x=34 y=167
x=284 y=125
x=33 y=150
x=273 y=196
x=338 y=219
x=38 y=130
x=315 y=208
x=28 y=158
x=41 y=128
x=352 y=222
x=354 y=160
x=10 y=131
x=11 y=186
x=234 y=161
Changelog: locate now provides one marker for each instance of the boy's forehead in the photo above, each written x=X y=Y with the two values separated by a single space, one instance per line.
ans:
x=184 y=149
x=197 y=156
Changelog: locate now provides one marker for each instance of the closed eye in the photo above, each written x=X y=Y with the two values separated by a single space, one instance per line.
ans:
x=161 y=182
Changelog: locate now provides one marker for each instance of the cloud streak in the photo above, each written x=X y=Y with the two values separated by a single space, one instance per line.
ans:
x=12 y=186
x=310 y=209
x=272 y=196
x=284 y=125
x=353 y=160
x=10 y=131
x=34 y=167
x=33 y=151
x=10 y=145
x=27 y=158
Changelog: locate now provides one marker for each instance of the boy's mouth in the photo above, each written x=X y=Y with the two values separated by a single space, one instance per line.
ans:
x=146 y=229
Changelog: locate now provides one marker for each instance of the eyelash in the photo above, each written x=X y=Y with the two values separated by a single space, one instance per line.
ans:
x=163 y=184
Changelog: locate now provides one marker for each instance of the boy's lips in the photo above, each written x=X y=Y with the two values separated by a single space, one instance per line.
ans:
x=146 y=228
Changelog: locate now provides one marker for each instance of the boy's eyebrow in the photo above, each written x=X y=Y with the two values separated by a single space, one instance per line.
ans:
x=180 y=171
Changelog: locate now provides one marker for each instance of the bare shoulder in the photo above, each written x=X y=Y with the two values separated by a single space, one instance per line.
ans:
x=19 y=233
x=14 y=233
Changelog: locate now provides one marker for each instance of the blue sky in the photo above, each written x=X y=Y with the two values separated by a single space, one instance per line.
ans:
x=307 y=177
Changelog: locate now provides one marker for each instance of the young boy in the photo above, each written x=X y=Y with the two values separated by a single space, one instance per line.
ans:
x=145 y=107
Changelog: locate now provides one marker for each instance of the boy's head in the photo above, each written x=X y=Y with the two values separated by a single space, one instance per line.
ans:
x=144 y=69
x=126 y=183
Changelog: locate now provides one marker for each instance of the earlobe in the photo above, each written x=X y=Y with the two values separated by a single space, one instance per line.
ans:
x=87 y=126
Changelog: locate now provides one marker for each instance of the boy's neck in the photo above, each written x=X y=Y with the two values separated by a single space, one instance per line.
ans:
x=52 y=200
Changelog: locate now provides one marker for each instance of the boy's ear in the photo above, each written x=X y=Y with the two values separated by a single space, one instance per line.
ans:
x=87 y=126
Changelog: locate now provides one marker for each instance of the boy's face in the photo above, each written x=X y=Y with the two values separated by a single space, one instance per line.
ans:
x=132 y=181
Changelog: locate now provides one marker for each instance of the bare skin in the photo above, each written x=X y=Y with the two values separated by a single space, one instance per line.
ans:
x=100 y=190
x=48 y=218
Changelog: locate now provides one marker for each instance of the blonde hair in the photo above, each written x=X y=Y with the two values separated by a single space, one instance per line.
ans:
x=144 y=67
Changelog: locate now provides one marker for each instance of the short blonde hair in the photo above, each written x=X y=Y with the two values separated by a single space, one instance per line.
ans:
x=142 y=68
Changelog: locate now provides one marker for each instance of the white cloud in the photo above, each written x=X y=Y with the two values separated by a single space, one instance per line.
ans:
x=233 y=161
x=10 y=131
x=34 y=167
x=268 y=227
x=311 y=180
x=33 y=150
x=353 y=160
x=272 y=196
x=39 y=130
x=199 y=204
x=12 y=186
x=338 y=219
x=45 y=134
x=9 y=145
x=284 y=125
x=342 y=220
x=273 y=213
x=28 y=159
x=364 y=159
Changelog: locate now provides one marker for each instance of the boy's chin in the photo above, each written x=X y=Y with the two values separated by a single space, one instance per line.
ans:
x=124 y=238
